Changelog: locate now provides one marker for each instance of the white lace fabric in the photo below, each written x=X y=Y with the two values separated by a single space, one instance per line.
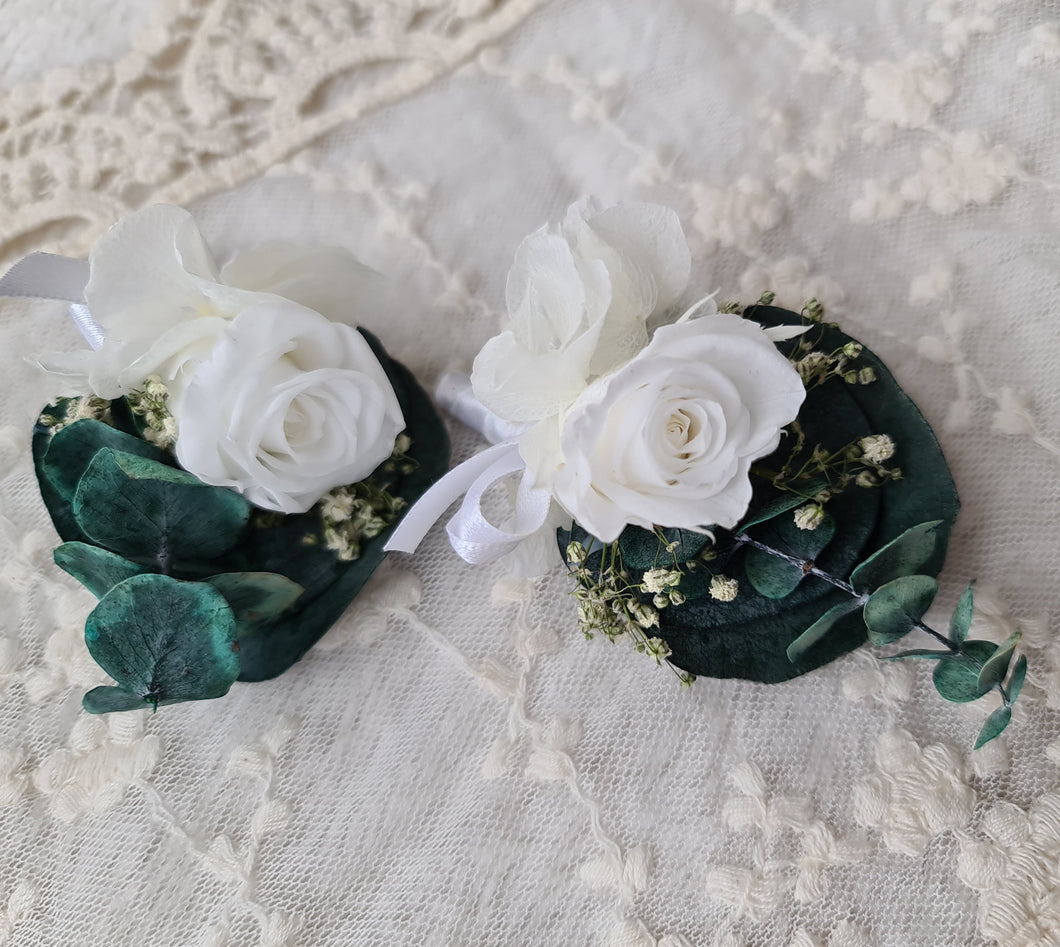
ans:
x=453 y=764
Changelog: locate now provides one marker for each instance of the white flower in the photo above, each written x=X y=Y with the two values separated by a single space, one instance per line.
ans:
x=579 y=299
x=163 y=303
x=287 y=406
x=668 y=439
x=723 y=589
x=876 y=448
x=659 y=580
x=809 y=516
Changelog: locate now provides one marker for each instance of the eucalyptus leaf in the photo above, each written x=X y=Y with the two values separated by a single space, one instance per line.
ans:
x=44 y=435
x=255 y=597
x=901 y=557
x=994 y=726
x=962 y=616
x=164 y=640
x=107 y=700
x=770 y=576
x=1015 y=683
x=144 y=509
x=957 y=678
x=71 y=451
x=895 y=608
x=97 y=569
x=994 y=670
x=820 y=628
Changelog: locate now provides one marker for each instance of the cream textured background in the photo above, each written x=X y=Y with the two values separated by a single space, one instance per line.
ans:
x=454 y=765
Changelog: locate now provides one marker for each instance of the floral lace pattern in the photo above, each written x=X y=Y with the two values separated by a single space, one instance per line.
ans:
x=452 y=764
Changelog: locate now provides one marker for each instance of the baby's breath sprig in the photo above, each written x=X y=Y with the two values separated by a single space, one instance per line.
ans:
x=76 y=409
x=358 y=512
x=150 y=402
x=825 y=474
x=610 y=603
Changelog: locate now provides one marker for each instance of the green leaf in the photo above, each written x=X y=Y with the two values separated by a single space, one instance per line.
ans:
x=144 y=509
x=1015 y=683
x=71 y=451
x=957 y=678
x=994 y=670
x=926 y=653
x=163 y=640
x=255 y=597
x=894 y=609
x=770 y=576
x=900 y=557
x=774 y=577
x=820 y=628
x=106 y=700
x=95 y=568
x=994 y=726
x=962 y=616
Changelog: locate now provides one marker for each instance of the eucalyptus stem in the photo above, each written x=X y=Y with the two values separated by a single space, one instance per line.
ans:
x=806 y=565
x=943 y=640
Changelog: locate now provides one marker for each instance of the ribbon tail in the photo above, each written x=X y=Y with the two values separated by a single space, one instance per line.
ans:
x=47 y=276
x=430 y=507
x=50 y=276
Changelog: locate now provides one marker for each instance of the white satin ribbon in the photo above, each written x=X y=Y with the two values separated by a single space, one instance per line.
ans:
x=474 y=538
x=49 y=276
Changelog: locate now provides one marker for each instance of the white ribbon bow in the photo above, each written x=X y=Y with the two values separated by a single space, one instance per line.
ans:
x=474 y=538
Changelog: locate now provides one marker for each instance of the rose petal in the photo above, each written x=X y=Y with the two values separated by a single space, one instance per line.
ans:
x=328 y=280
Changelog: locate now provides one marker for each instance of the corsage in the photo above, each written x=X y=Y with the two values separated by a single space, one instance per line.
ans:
x=234 y=458
x=739 y=492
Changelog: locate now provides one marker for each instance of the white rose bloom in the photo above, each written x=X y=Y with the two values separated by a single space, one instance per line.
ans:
x=579 y=298
x=287 y=406
x=668 y=439
x=162 y=302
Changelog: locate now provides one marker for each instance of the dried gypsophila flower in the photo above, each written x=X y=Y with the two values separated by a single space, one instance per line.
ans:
x=876 y=448
x=723 y=588
x=809 y=516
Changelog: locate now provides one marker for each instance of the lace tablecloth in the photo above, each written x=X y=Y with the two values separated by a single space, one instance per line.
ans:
x=453 y=765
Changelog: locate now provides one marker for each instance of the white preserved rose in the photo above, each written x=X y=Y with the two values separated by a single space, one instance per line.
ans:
x=668 y=439
x=579 y=298
x=287 y=406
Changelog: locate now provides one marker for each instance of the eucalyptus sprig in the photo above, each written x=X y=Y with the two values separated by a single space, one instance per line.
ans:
x=886 y=588
x=894 y=598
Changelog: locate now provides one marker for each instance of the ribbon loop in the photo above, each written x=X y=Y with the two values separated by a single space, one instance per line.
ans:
x=474 y=538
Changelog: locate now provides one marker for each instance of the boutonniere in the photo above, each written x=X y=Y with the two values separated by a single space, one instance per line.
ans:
x=738 y=492
x=234 y=458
